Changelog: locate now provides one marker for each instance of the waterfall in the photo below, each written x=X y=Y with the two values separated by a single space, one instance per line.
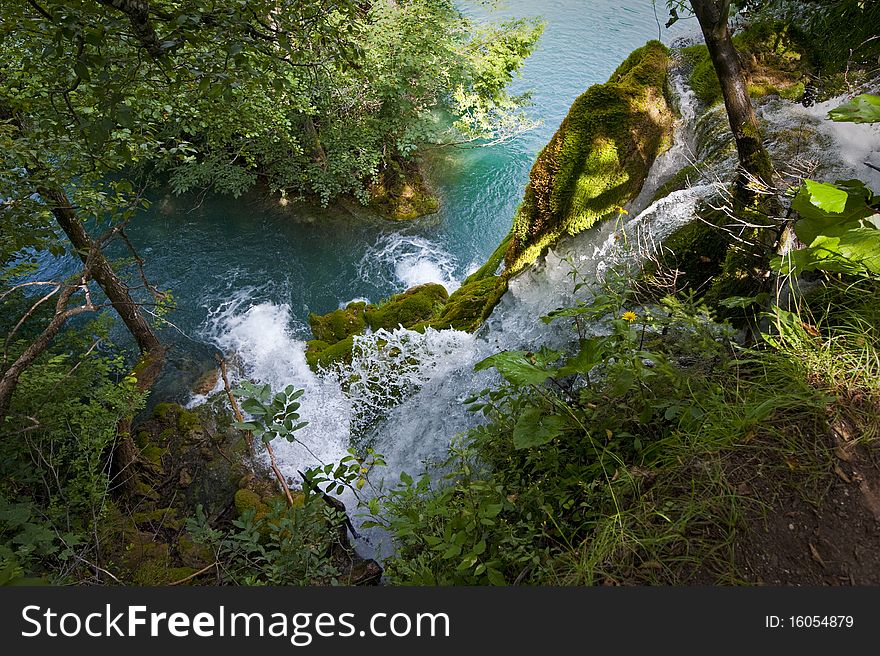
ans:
x=403 y=391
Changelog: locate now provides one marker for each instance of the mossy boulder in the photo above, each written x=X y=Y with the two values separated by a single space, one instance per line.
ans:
x=413 y=306
x=320 y=355
x=249 y=501
x=400 y=192
x=772 y=61
x=471 y=304
x=599 y=157
x=339 y=324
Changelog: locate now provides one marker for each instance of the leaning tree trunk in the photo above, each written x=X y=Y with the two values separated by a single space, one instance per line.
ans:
x=755 y=203
x=138 y=13
x=753 y=157
x=116 y=290
x=125 y=452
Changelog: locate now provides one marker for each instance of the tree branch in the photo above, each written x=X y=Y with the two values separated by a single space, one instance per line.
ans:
x=138 y=13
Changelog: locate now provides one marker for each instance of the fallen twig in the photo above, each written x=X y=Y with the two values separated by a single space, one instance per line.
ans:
x=194 y=574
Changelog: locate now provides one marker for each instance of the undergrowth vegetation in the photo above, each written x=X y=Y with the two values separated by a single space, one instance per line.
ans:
x=623 y=461
x=55 y=467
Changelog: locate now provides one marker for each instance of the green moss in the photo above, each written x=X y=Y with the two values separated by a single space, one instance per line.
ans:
x=332 y=353
x=153 y=454
x=164 y=517
x=696 y=251
x=471 y=304
x=741 y=274
x=157 y=573
x=400 y=193
x=314 y=348
x=188 y=422
x=246 y=500
x=339 y=324
x=494 y=261
x=702 y=78
x=192 y=554
x=774 y=64
x=165 y=410
x=598 y=159
x=142 y=438
x=409 y=308
x=298 y=496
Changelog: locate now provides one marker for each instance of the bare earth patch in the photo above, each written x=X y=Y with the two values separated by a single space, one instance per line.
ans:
x=834 y=542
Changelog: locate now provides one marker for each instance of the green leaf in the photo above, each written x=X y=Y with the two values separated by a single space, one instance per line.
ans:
x=815 y=221
x=826 y=197
x=534 y=428
x=253 y=407
x=452 y=551
x=81 y=70
x=495 y=577
x=516 y=367
x=591 y=354
x=861 y=109
x=742 y=301
x=623 y=382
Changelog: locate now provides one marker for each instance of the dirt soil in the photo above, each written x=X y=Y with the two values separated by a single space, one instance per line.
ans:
x=834 y=542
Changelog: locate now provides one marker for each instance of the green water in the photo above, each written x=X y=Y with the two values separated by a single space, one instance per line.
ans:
x=307 y=260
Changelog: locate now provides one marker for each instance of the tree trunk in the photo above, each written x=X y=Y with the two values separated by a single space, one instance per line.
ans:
x=125 y=452
x=319 y=156
x=753 y=157
x=10 y=377
x=102 y=272
x=138 y=13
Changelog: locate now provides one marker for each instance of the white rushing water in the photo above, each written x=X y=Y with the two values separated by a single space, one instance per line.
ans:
x=412 y=260
x=403 y=391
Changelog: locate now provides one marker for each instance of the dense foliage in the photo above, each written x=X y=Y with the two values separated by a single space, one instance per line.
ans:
x=55 y=468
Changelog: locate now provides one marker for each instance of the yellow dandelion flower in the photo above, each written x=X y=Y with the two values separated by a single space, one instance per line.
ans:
x=630 y=316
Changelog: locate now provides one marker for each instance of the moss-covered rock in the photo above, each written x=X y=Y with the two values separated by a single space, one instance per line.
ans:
x=702 y=78
x=681 y=180
x=339 y=324
x=471 y=304
x=413 y=306
x=400 y=193
x=598 y=159
x=496 y=259
x=773 y=63
x=249 y=501
x=320 y=355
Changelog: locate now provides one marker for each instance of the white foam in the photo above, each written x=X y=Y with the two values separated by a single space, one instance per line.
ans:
x=259 y=341
x=851 y=144
x=404 y=261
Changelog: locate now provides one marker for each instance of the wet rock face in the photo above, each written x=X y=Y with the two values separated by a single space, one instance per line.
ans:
x=186 y=459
